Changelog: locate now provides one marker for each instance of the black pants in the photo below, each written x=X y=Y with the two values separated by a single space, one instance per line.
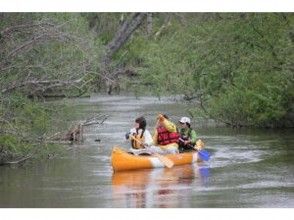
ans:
x=184 y=148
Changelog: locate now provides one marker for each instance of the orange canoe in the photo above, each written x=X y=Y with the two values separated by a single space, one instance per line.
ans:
x=122 y=160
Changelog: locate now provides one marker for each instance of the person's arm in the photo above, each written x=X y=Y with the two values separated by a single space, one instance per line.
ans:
x=155 y=137
x=148 y=138
x=193 y=137
x=131 y=132
x=171 y=127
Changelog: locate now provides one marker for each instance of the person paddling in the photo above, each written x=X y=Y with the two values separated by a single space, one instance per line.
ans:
x=141 y=139
x=166 y=135
x=188 y=135
x=142 y=136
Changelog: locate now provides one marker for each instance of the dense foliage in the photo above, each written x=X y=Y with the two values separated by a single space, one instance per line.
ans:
x=240 y=67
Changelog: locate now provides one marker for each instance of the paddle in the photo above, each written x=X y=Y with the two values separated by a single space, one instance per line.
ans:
x=166 y=161
x=203 y=154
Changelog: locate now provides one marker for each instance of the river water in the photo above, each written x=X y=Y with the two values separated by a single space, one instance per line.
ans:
x=248 y=168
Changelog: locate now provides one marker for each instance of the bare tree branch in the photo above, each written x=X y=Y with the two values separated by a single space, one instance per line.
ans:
x=7 y=31
x=47 y=83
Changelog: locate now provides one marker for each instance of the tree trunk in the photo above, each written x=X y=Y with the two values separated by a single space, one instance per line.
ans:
x=122 y=35
x=149 y=24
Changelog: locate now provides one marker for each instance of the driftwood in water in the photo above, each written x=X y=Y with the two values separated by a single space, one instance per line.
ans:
x=8 y=158
x=18 y=161
x=96 y=119
x=75 y=133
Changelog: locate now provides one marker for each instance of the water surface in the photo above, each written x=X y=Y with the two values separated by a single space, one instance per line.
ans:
x=248 y=168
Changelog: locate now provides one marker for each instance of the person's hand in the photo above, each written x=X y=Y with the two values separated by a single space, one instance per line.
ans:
x=200 y=144
x=186 y=142
x=133 y=131
x=127 y=135
x=160 y=117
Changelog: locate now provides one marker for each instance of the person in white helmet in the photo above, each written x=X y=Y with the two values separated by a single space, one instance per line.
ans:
x=188 y=135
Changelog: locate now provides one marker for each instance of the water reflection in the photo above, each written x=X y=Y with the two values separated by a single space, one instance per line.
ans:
x=158 y=188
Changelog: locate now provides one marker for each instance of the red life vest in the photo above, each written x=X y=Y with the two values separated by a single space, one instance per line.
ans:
x=165 y=137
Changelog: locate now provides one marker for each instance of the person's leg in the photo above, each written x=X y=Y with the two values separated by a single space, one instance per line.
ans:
x=171 y=150
x=138 y=151
x=181 y=147
x=155 y=149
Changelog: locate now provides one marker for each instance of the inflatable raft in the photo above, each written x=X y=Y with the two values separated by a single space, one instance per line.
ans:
x=121 y=160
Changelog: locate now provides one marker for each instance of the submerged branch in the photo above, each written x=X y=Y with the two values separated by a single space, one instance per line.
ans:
x=75 y=133
x=99 y=119
x=17 y=161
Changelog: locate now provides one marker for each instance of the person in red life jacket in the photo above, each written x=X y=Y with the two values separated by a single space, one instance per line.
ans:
x=166 y=135
x=141 y=139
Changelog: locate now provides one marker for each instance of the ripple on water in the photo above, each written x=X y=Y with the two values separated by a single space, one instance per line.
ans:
x=226 y=156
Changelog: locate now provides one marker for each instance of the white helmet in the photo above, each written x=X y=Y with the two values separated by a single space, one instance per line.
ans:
x=185 y=120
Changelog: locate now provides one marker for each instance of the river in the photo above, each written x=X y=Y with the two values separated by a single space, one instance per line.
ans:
x=248 y=168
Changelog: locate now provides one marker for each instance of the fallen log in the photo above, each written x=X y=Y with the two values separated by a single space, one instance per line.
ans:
x=75 y=133
x=22 y=159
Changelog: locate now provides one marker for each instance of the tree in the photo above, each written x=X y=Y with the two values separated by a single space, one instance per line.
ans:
x=40 y=54
x=122 y=35
x=238 y=68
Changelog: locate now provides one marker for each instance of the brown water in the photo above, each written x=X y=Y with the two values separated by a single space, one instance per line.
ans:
x=248 y=168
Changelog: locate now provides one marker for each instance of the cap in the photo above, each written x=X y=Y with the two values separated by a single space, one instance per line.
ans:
x=185 y=120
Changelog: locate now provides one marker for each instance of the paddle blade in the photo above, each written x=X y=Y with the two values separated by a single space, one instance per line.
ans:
x=204 y=155
x=167 y=162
